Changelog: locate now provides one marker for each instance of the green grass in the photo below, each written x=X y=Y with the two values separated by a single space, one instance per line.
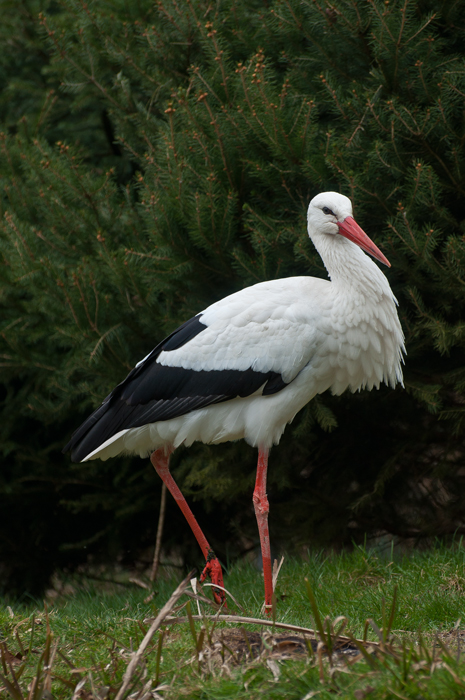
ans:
x=88 y=634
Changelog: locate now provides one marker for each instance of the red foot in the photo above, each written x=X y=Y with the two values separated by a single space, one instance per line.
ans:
x=213 y=571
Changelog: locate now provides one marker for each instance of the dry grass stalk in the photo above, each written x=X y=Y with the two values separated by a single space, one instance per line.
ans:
x=161 y=522
x=162 y=615
x=211 y=585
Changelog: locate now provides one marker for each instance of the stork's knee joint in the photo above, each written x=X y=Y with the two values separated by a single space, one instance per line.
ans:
x=261 y=504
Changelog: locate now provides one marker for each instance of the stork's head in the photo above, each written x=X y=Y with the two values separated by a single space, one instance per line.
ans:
x=330 y=213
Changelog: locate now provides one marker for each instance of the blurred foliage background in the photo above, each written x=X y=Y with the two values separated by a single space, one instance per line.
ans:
x=156 y=156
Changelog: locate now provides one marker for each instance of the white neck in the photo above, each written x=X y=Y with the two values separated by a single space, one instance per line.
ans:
x=349 y=267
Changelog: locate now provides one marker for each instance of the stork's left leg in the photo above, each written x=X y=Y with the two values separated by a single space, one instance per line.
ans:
x=161 y=462
x=260 y=502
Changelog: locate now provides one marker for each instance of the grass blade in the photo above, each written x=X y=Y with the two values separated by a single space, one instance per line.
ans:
x=13 y=690
x=390 y=623
x=191 y=623
x=316 y=612
x=161 y=639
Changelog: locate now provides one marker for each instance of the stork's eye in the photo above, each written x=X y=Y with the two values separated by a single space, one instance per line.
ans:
x=327 y=210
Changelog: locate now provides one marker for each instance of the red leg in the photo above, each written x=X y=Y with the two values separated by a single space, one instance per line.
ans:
x=260 y=502
x=161 y=463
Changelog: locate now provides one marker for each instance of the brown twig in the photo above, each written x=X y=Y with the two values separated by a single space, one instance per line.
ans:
x=258 y=621
x=161 y=522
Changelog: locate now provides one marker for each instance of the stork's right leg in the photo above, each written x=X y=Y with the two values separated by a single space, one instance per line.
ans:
x=260 y=501
x=161 y=463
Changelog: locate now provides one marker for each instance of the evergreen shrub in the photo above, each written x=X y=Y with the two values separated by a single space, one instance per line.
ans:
x=155 y=157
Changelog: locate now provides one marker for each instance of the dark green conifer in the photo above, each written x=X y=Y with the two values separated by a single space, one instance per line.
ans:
x=156 y=157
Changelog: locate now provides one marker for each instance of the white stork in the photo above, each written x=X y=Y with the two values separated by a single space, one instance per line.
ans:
x=244 y=367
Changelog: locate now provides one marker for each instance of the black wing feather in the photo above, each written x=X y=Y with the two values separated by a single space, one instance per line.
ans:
x=153 y=392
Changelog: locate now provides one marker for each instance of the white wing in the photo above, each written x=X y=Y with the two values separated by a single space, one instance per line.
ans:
x=266 y=327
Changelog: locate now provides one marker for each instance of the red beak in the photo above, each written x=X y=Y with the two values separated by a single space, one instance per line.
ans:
x=351 y=230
